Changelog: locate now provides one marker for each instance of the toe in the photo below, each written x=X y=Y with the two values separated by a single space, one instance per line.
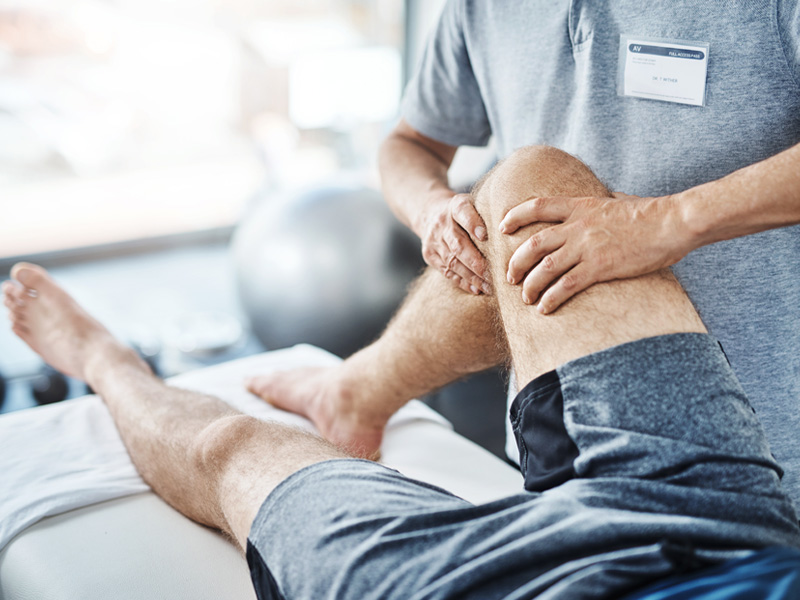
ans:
x=14 y=293
x=259 y=386
x=30 y=275
x=10 y=303
x=20 y=330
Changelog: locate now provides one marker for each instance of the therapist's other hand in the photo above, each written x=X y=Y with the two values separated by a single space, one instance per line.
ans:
x=448 y=247
x=594 y=240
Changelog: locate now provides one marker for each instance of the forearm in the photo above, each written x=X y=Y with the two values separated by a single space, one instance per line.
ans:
x=439 y=335
x=414 y=175
x=762 y=196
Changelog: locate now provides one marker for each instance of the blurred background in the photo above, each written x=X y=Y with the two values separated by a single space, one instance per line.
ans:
x=202 y=176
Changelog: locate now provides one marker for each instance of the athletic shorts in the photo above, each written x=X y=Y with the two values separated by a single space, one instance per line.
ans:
x=640 y=462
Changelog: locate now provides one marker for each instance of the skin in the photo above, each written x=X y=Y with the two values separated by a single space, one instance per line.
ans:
x=441 y=333
x=600 y=239
x=596 y=238
x=351 y=403
x=216 y=465
x=628 y=236
x=208 y=461
x=414 y=174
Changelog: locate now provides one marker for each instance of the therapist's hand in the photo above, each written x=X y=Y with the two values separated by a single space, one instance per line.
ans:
x=594 y=240
x=447 y=246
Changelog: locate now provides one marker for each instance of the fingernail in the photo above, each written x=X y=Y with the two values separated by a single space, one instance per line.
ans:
x=480 y=233
x=487 y=289
x=541 y=308
x=525 y=298
x=474 y=290
x=510 y=278
x=502 y=228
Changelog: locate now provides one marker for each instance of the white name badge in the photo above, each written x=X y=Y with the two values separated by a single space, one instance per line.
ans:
x=667 y=70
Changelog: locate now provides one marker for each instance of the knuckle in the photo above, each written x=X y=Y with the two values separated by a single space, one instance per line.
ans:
x=534 y=242
x=549 y=263
x=582 y=225
x=537 y=204
x=569 y=281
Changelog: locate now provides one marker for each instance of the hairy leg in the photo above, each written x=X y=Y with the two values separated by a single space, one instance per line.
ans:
x=208 y=461
x=606 y=314
x=439 y=335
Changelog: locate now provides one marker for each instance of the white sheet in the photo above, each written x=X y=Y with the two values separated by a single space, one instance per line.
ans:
x=64 y=456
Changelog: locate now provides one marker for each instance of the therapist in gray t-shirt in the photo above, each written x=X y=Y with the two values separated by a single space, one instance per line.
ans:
x=692 y=109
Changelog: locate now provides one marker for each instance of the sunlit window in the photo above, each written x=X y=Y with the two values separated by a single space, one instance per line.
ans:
x=135 y=119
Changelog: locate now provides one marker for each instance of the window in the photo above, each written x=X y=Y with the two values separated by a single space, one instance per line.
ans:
x=134 y=119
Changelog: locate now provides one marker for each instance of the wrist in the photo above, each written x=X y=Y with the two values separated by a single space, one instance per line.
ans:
x=699 y=222
x=433 y=203
x=687 y=225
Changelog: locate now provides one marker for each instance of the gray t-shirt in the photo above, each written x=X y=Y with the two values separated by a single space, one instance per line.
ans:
x=545 y=72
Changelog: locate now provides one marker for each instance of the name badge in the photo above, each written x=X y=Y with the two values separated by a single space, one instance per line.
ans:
x=657 y=69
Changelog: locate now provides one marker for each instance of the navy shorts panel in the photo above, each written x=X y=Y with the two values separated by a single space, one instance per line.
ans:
x=546 y=452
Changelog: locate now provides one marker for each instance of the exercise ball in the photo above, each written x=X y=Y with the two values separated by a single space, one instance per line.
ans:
x=326 y=266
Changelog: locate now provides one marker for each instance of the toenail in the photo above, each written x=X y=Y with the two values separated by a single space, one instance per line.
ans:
x=32 y=293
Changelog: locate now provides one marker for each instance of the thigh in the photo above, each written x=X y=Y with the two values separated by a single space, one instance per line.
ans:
x=353 y=529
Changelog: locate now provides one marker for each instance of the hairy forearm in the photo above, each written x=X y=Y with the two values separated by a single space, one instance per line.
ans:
x=439 y=335
x=762 y=196
x=414 y=175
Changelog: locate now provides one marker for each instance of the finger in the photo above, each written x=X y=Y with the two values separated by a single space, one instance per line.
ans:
x=462 y=283
x=537 y=210
x=461 y=246
x=532 y=250
x=464 y=213
x=433 y=258
x=551 y=267
x=470 y=282
x=569 y=284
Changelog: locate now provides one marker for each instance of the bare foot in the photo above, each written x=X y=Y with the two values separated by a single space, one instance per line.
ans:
x=319 y=394
x=46 y=318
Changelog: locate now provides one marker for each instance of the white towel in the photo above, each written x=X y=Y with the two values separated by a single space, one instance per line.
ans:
x=69 y=455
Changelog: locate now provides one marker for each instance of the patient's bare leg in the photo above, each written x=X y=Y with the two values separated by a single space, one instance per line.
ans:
x=211 y=463
x=439 y=335
x=606 y=314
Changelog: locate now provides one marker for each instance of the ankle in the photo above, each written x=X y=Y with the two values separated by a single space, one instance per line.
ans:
x=109 y=360
x=363 y=394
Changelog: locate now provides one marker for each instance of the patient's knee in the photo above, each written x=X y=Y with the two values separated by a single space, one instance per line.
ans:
x=225 y=438
x=533 y=171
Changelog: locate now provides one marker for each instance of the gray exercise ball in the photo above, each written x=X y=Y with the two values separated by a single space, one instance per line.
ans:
x=327 y=266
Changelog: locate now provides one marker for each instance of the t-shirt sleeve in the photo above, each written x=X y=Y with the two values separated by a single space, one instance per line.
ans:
x=789 y=26
x=443 y=100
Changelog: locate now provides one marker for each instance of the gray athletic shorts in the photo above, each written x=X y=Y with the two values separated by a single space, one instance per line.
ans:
x=667 y=470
